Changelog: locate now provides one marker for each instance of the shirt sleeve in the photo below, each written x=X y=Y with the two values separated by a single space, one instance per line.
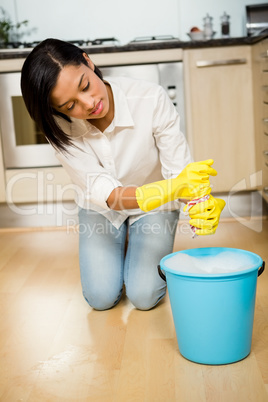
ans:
x=92 y=183
x=174 y=152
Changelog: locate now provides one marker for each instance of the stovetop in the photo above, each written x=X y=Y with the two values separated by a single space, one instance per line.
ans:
x=154 y=39
x=78 y=42
x=99 y=42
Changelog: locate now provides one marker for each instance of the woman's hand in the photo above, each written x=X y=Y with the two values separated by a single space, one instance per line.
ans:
x=192 y=182
x=205 y=215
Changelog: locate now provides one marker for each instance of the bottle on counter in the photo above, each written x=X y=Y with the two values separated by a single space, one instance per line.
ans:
x=225 y=25
x=208 y=27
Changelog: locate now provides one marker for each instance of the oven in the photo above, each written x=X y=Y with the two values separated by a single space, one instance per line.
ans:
x=24 y=146
x=23 y=143
x=257 y=19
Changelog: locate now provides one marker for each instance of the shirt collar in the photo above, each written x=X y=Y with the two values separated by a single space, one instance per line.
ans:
x=122 y=115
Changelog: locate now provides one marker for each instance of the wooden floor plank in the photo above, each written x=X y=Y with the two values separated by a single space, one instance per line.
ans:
x=55 y=348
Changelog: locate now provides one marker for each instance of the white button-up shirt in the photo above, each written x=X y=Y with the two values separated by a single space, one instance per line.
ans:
x=142 y=144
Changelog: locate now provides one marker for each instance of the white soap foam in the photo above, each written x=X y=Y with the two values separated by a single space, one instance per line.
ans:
x=224 y=262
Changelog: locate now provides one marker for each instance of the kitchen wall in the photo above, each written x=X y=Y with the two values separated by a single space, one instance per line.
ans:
x=191 y=13
x=125 y=20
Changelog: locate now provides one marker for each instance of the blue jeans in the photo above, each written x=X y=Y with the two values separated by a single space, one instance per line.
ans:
x=105 y=265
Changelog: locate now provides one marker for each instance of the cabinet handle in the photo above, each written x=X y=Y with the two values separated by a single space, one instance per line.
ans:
x=265 y=133
x=265 y=153
x=215 y=63
x=265 y=120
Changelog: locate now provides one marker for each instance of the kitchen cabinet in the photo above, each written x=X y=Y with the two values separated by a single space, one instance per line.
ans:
x=38 y=185
x=219 y=114
x=260 y=79
x=2 y=175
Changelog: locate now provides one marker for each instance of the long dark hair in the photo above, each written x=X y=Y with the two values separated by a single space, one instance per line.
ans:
x=39 y=75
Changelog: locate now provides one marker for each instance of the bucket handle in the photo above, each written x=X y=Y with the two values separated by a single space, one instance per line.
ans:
x=163 y=276
x=261 y=269
x=161 y=273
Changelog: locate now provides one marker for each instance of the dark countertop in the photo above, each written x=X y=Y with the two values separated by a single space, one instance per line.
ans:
x=143 y=46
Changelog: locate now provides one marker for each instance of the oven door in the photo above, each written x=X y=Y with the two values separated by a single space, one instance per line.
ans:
x=257 y=19
x=24 y=145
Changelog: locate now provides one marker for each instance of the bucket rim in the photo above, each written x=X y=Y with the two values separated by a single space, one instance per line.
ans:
x=204 y=251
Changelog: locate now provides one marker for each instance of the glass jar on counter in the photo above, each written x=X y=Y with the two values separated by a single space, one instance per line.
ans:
x=225 y=25
x=208 y=27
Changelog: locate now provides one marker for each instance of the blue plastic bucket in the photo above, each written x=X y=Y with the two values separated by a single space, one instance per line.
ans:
x=213 y=313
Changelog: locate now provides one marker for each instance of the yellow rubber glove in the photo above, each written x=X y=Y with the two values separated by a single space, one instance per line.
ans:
x=205 y=215
x=192 y=182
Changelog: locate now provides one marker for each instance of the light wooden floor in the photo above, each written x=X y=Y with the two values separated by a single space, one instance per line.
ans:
x=53 y=347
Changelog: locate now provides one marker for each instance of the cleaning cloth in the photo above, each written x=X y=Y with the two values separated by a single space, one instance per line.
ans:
x=190 y=204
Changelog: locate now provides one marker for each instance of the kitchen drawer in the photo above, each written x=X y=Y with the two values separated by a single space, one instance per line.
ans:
x=264 y=166
x=264 y=45
x=264 y=77
x=265 y=140
x=265 y=171
x=263 y=49
x=264 y=150
x=264 y=67
x=264 y=107
x=265 y=125
x=264 y=63
x=264 y=116
x=265 y=96
x=264 y=147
